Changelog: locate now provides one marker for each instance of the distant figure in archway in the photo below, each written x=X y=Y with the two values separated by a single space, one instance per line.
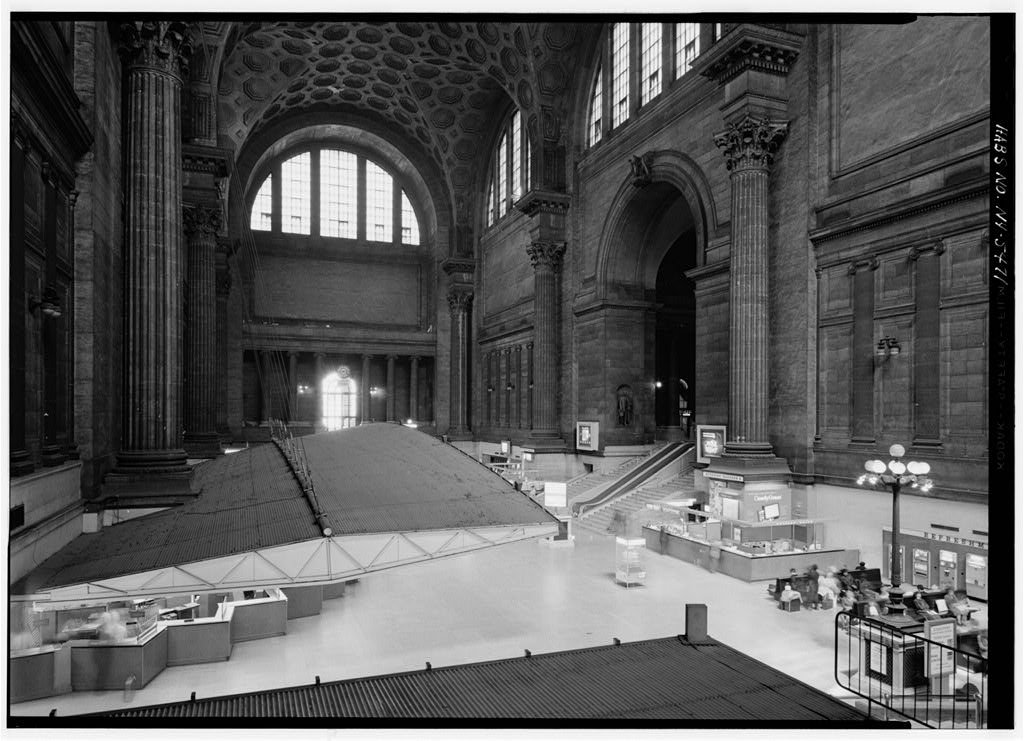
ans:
x=624 y=400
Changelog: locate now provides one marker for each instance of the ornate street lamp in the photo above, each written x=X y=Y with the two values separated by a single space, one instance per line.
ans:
x=895 y=475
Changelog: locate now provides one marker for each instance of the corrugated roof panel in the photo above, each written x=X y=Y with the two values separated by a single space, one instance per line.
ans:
x=658 y=679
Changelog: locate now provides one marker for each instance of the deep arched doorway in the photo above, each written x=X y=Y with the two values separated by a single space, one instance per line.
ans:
x=675 y=331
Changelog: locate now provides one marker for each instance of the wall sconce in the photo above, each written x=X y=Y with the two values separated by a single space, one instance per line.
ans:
x=657 y=384
x=490 y=389
x=509 y=386
x=49 y=303
x=303 y=388
x=886 y=347
x=374 y=391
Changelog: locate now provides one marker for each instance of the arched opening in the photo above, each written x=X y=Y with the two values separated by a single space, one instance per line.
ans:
x=674 y=341
x=338 y=395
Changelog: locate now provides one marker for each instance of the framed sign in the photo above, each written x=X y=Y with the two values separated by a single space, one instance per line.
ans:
x=940 y=658
x=586 y=435
x=555 y=494
x=710 y=442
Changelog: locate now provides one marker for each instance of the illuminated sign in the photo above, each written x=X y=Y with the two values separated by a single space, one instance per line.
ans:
x=586 y=435
x=710 y=442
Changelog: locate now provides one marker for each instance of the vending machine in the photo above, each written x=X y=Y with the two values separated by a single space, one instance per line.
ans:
x=922 y=567
x=976 y=576
x=948 y=570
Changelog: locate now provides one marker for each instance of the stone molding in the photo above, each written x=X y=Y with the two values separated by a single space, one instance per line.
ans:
x=203 y=159
x=870 y=264
x=546 y=254
x=541 y=201
x=454 y=265
x=165 y=46
x=751 y=143
x=202 y=220
x=937 y=248
x=752 y=47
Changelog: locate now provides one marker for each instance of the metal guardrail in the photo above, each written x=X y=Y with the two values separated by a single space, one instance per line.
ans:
x=927 y=681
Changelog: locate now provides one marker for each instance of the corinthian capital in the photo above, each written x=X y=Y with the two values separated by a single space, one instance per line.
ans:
x=161 y=45
x=751 y=143
x=203 y=221
x=459 y=300
x=546 y=254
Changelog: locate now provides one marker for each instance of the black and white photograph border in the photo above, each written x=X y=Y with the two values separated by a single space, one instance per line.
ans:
x=307 y=311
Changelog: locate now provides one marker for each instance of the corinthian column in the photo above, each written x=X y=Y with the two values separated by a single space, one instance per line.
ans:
x=749 y=146
x=546 y=258
x=202 y=224
x=459 y=300
x=152 y=459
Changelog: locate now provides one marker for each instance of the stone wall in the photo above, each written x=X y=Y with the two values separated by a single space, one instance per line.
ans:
x=99 y=257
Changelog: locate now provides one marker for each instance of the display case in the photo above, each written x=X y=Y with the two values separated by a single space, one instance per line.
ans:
x=629 y=561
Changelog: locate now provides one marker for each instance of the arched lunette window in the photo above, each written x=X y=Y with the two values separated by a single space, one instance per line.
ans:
x=334 y=193
x=510 y=173
x=637 y=64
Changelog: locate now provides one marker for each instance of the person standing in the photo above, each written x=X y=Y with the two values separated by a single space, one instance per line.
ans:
x=812 y=587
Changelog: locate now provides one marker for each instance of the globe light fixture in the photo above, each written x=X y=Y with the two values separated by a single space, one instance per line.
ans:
x=894 y=475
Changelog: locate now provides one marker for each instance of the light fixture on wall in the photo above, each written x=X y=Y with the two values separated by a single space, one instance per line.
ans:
x=376 y=391
x=887 y=347
x=657 y=384
x=509 y=386
x=49 y=303
x=490 y=389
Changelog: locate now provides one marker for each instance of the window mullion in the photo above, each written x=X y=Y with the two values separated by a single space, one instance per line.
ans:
x=314 y=193
x=396 y=212
x=607 y=82
x=668 y=48
x=361 y=215
x=275 y=198
x=508 y=165
x=634 y=70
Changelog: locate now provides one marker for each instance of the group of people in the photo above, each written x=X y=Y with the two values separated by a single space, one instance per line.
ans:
x=839 y=587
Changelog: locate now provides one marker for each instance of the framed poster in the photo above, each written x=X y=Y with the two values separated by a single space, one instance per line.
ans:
x=710 y=442
x=586 y=435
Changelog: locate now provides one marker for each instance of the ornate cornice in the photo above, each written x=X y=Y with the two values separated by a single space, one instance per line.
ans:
x=453 y=265
x=751 y=143
x=162 y=45
x=211 y=160
x=546 y=254
x=459 y=299
x=203 y=220
x=539 y=201
x=751 y=47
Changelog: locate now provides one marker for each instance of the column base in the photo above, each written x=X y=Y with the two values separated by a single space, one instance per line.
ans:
x=149 y=478
x=544 y=441
x=735 y=449
x=51 y=455
x=202 y=445
x=21 y=463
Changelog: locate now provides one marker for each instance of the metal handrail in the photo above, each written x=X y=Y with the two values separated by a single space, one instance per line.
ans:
x=928 y=682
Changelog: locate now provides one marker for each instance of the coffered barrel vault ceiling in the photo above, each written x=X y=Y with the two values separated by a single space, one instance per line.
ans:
x=440 y=83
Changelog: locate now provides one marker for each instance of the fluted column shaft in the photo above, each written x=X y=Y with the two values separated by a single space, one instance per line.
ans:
x=414 y=371
x=155 y=53
x=459 y=301
x=201 y=227
x=390 y=401
x=749 y=147
x=547 y=260
x=366 y=416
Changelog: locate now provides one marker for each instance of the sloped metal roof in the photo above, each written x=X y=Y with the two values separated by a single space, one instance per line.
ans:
x=660 y=679
x=392 y=495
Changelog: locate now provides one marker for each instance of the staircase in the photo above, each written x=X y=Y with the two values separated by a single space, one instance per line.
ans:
x=588 y=485
x=631 y=499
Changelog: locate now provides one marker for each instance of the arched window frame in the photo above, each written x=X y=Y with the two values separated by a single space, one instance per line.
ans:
x=637 y=64
x=403 y=227
x=509 y=178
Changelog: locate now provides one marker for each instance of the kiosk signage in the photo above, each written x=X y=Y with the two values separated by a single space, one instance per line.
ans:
x=586 y=435
x=939 y=661
x=710 y=442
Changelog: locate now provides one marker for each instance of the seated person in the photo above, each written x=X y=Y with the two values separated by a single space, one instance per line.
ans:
x=788 y=594
x=846 y=600
x=958 y=608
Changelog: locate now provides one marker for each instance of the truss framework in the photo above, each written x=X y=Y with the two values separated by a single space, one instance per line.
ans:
x=323 y=561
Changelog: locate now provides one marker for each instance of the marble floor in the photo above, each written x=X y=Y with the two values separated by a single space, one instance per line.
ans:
x=493 y=604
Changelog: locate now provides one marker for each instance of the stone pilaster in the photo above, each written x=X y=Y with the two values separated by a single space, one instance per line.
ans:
x=222 y=271
x=749 y=147
x=389 y=404
x=152 y=460
x=318 y=391
x=546 y=258
x=547 y=212
x=366 y=411
x=202 y=224
x=21 y=461
x=460 y=298
x=266 y=373
x=414 y=394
